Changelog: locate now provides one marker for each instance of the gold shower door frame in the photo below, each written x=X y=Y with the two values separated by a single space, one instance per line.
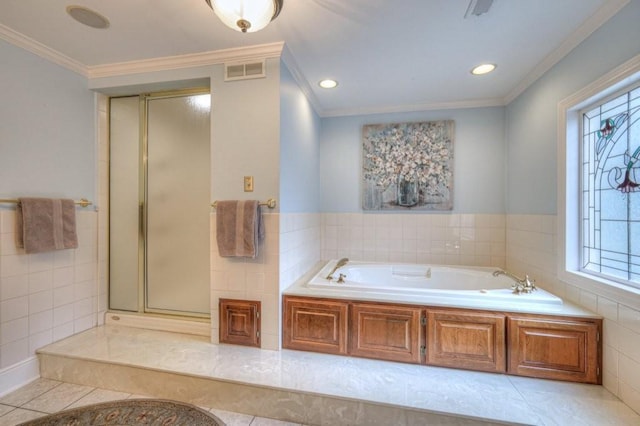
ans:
x=143 y=267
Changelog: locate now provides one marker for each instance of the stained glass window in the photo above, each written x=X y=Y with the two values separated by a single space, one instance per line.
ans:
x=610 y=188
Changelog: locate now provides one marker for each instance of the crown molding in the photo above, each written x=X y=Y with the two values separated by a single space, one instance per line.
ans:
x=602 y=15
x=278 y=50
x=477 y=103
x=294 y=69
x=39 y=49
x=612 y=81
x=240 y=54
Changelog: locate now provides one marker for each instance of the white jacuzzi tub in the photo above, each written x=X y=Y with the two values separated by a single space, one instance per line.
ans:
x=461 y=286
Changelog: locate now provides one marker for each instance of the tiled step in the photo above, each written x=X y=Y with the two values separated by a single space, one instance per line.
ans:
x=300 y=387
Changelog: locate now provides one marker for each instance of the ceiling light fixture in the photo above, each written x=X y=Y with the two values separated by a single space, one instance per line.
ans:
x=483 y=69
x=328 y=84
x=88 y=17
x=247 y=16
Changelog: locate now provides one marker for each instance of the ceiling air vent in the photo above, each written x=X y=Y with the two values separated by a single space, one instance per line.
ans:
x=244 y=71
x=478 y=7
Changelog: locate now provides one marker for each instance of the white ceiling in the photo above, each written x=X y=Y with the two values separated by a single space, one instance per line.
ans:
x=387 y=55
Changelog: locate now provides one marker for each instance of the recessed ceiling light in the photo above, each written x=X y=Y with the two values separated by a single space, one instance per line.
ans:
x=483 y=69
x=88 y=17
x=328 y=84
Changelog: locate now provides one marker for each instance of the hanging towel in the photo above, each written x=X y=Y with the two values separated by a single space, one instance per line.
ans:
x=239 y=228
x=45 y=224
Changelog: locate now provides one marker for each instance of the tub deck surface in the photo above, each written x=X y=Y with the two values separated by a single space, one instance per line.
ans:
x=508 y=303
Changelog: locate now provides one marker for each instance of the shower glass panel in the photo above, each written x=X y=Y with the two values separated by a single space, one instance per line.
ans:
x=160 y=203
x=124 y=214
x=178 y=204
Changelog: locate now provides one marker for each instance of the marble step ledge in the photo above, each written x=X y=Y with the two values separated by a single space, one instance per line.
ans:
x=286 y=405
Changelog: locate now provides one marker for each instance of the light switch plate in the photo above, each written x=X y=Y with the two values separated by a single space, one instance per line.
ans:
x=248 y=184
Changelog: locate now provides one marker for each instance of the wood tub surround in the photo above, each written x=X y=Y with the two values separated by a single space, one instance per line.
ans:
x=555 y=348
x=532 y=345
x=315 y=325
x=388 y=332
x=464 y=339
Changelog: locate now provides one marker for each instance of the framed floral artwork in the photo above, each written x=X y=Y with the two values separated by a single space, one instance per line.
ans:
x=408 y=166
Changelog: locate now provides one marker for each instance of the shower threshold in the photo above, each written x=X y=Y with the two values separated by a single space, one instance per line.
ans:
x=185 y=325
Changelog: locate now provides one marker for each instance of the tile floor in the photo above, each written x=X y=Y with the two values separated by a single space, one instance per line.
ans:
x=292 y=381
x=45 y=396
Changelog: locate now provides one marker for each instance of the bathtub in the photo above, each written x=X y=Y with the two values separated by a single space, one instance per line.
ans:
x=437 y=284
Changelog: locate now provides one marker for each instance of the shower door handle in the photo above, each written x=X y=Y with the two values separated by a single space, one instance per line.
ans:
x=141 y=219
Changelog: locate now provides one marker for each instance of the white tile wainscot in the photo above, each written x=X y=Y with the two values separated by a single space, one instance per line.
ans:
x=44 y=297
x=531 y=248
x=249 y=279
x=453 y=239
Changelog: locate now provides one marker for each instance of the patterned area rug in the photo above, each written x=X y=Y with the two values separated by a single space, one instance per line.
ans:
x=131 y=412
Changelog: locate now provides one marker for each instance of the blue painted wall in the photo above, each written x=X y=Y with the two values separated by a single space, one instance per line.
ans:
x=299 y=149
x=479 y=158
x=47 y=130
x=532 y=117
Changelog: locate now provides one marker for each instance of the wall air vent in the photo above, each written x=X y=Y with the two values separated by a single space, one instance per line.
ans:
x=244 y=71
x=478 y=7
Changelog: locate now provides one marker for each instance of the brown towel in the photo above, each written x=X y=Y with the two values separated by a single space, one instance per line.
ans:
x=45 y=224
x=239 y=228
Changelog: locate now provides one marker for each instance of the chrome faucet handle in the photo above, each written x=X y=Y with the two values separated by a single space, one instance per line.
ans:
x=525 y=285
x=529 y=284
x=339 y=264
x=517 y=287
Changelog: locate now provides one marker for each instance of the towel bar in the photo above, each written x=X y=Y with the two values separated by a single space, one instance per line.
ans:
x=271 y=203
x=83 y=202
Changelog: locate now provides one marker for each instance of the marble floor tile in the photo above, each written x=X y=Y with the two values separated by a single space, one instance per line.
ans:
x=261 y=421
x=140 y=397
x=525 y=385
x=29 y=392
x=58 y=398
x=231 y=418
x=10 y=415
x=19 y=415
x=4 y=409
x=554 y=409
x=413 y=419
x=97 y=396
x=476 y=401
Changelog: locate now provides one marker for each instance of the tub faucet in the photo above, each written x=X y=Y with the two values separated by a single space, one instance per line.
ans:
x=339 y=265
x=524 y=285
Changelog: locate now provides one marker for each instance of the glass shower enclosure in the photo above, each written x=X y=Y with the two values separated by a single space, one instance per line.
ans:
x=159 y=223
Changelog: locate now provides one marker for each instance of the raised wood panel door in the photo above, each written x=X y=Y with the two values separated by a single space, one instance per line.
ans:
x=318 y=325
x=466 y=340
x=240 y=322
x=385 y=332
x=555 y=349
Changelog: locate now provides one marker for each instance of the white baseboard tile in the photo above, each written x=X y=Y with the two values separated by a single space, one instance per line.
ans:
x=18 y=375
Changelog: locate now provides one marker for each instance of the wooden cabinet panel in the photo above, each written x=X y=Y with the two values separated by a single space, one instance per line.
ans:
x=534 y=345
x=563 y=349
x=240 y=322
x=315 y=325
x=466 y=340
x=385 y=332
